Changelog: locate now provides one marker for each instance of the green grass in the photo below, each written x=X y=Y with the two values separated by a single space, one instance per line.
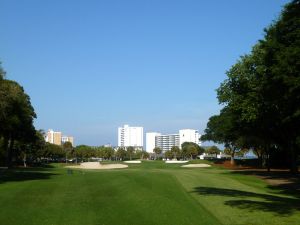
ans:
x=148 y=193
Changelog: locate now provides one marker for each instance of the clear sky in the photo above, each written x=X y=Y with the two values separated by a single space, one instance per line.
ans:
x=91 y=66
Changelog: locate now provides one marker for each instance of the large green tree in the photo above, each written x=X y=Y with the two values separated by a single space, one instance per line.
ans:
x=16 y=116
x=224 y=129
x=213 y=150
x=69 y=150
x=130 y=151
x=261 y=95
x=191 y=149
x=175 y=152
x=121 y=153
x=2 y=73
x=32 y=148
x=157 y=151
x=281 y=47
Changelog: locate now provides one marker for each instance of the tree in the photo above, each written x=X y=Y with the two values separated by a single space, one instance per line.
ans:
x=108 y=152
x=168 y=154
x=213 y=150
x=224 y=129
x=175 y=152
x=130 y=151
x=2 y=73
x=140 y=154
x=191 y=149
x=68 y=148
x=157 y=151
x=263 y=89
x=53 y=151
x=16 y=116
x=84 y=152
x=281 y=46
x=121 y=153
x=31 y=148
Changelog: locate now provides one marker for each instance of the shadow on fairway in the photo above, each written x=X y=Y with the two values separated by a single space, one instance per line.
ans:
x=281 y=182
x=13 y=175
x=245 y=200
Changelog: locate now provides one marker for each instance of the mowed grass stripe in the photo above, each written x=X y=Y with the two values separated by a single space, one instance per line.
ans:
x=237 y=199
x=106 y=197
x=149 y=193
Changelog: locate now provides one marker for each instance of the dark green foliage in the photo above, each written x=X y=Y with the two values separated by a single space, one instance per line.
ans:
x=140 y=154
x=2 y=73
x=130 y=151
x=85 y=152
x=16 y=118
x=168 y=154
x=121 y=153
x=157 y=151
x=261 y=95
x=175 y=152
x=213 y=150
x=191 y=150
x=53 y=152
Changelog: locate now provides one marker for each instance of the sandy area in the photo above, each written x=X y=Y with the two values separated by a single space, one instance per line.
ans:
x=202 y=165
x=175 y=161
x=98 y=166
x=133 y=161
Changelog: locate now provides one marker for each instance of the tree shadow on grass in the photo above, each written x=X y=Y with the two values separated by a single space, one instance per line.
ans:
x=279 y=181
x=251 y=201
x=14 y=175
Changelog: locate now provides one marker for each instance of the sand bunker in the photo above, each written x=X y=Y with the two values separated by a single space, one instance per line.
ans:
x=133 y=161
x=175 y=161
x=98 y=166
x=202 y=165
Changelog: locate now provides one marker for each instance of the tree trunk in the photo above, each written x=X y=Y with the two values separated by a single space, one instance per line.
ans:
x=260 y=161
x=9 y=147
x=268 y=158
x=293 y=160
x=259 y=158
x=232 y=161
x=24 y=160
x=7 y=154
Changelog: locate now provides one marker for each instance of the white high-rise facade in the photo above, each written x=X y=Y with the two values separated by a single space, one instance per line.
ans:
x=130 y=136
x=189 y=135
x=150 y=141
x=167 y=141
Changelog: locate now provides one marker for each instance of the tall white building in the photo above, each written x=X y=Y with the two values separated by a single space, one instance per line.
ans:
x=167 y=141
x=130 y=136
x=189 y=135
x=150 y=141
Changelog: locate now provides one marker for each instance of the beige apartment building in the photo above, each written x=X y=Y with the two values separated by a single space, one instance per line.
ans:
x=55 y=137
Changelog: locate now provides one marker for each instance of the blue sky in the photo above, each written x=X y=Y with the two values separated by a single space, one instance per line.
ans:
x=91 y=66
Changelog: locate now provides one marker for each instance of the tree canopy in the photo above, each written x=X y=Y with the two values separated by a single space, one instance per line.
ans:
x=191 y=150
x=261 y=95
x=16 y=116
